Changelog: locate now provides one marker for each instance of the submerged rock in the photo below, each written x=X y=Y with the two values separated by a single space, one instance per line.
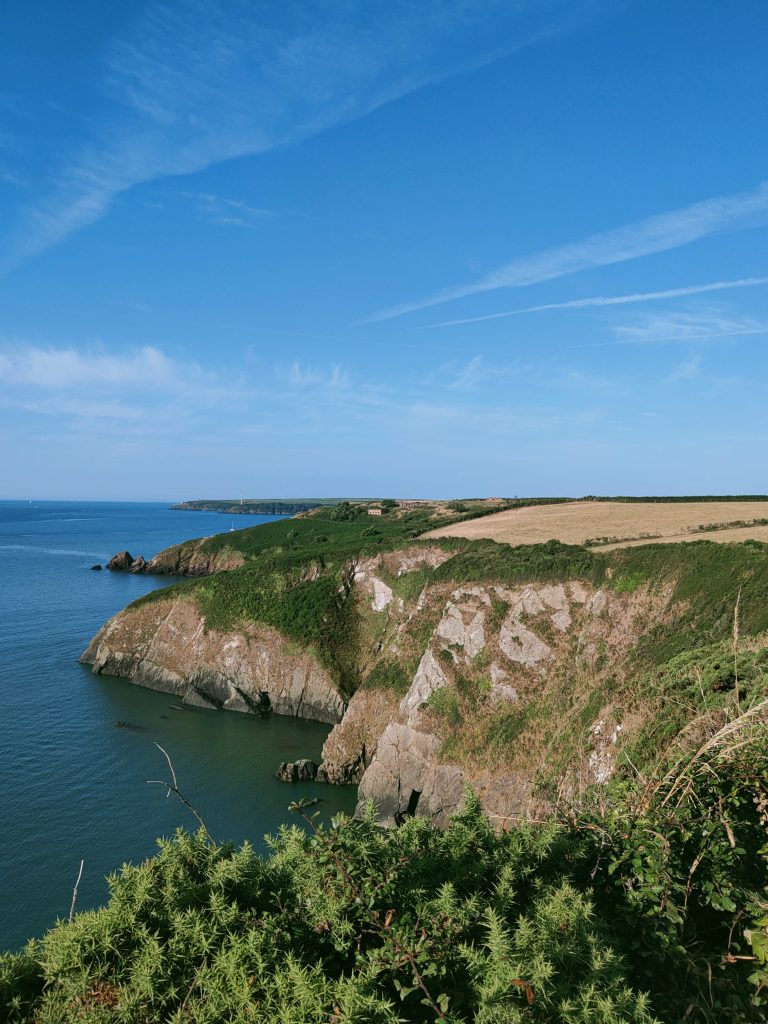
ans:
x=96 y=568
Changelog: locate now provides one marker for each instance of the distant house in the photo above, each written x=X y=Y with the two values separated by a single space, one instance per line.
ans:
x=374 y=511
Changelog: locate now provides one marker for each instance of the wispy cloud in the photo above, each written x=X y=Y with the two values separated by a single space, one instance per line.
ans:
x=301 y=375
x=146 y=395
x=470 y=375
x=689 y=369
x=614 y=300
x=195 y=83
x=659 y=233
x=226 y=212
x=63 y=369
x=687 y=327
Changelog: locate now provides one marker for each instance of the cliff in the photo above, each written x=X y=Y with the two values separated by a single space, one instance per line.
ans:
x=164 y=645
x=534 y=674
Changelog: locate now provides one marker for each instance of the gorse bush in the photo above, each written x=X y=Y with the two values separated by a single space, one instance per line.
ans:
x=345 y=925
x=650 y=910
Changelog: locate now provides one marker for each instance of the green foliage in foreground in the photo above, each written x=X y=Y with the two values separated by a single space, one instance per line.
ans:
x=650 y=910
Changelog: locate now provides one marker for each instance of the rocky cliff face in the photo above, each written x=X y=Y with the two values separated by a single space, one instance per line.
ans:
x=513 y=650
x=164 y=645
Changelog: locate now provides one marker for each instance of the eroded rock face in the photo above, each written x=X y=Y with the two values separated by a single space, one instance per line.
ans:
x=163 y=645
x=602 y=759
x=404 y=778
x=429 y=677
x=463 y=624
x=368 y=573
x=545 y=629
x=351 y=745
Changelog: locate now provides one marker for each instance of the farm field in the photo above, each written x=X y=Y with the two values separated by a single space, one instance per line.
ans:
x=612 y=524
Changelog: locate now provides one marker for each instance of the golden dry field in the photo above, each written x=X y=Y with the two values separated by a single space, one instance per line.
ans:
x=618 y=524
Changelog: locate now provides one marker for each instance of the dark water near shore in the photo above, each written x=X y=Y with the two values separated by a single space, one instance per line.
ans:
x=72 y=784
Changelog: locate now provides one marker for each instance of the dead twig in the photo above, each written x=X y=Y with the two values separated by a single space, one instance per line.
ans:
x=74 y=892
x=177 y=792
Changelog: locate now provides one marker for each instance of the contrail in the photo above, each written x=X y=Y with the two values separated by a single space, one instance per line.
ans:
x=611 y=300
x=658 y=233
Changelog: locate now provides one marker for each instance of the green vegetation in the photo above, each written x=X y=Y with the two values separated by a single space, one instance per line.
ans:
x=388 y=674
x=707 y=578
x=651 y=908
x=678 y=498
x=445 y=704
x=490 y=562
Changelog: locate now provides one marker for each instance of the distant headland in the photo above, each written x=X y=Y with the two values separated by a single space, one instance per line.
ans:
x=255 y=506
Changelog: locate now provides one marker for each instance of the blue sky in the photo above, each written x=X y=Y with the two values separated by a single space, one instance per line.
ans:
x=454 y=247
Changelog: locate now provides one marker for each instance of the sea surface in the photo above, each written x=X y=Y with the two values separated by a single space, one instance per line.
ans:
x=73 y=783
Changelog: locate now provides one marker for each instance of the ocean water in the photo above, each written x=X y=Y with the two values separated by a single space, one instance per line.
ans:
x=73 y=783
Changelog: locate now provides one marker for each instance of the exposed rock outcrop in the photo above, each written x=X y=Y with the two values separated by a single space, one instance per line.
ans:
x=164 y=645
x=303 y=770
x=545 y=631
x=509 y=648
x=189 y=559
x=351 y=744
x=121 y=562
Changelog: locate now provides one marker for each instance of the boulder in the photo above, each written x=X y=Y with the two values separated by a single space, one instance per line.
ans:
x=303 y=770
x=96 y=568
x=121 y=562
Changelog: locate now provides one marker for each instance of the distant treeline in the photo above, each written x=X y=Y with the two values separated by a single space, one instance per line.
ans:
x=677 y=497
x=259 y=507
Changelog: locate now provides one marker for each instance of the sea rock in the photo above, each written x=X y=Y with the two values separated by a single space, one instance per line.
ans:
x=190 y=559
x=121 y=562
x=303 y=770
x=96 y=568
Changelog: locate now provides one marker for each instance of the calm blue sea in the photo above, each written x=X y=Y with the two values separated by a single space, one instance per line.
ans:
x=73 y=785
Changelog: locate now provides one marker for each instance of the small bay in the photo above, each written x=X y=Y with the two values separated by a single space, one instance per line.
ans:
x=76 y=750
